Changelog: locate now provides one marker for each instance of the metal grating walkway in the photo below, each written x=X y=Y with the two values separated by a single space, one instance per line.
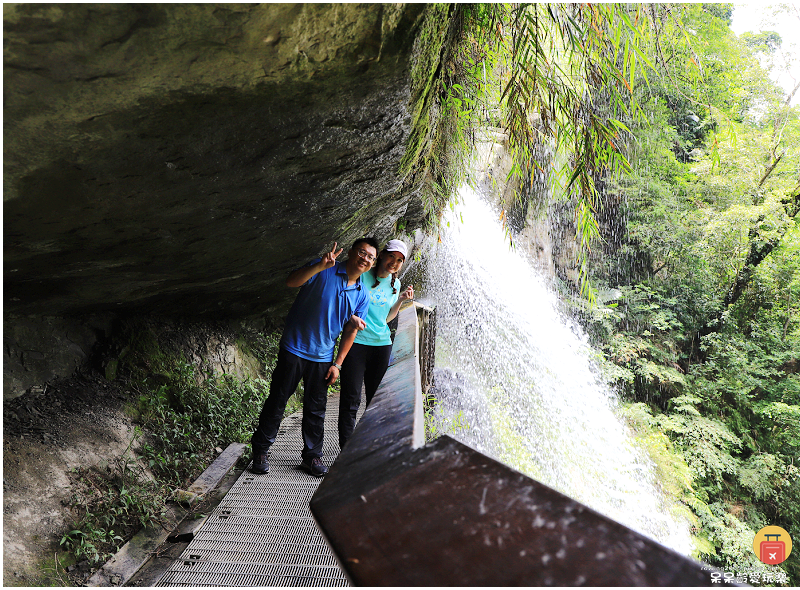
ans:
x=262 y=532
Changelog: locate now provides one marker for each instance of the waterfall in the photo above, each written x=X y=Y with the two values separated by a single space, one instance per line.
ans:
x=519 y=379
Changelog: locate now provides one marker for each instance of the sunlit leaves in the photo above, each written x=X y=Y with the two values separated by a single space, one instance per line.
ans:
x=783 y=421
x=764 y=475
x=732 y=538
x=563 y=67
x=706 y=443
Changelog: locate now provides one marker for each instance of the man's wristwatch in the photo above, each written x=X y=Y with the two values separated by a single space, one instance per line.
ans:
x=337 y=366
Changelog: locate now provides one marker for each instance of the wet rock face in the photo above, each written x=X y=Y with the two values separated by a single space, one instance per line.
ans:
x=38 y=350
x=182 y=159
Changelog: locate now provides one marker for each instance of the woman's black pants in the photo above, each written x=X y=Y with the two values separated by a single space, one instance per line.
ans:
x=363 y=364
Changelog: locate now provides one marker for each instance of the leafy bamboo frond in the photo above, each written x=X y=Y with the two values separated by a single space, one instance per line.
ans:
x=562 y=60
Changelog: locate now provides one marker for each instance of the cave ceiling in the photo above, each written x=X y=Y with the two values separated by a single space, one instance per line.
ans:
x=182 y=159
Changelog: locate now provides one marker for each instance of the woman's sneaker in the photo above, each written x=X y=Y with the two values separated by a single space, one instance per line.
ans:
x=260 y=463
x=315 y=467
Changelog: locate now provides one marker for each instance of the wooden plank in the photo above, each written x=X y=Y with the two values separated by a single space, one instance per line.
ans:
x=211 y=477
x=118 y=570
x=135 y=553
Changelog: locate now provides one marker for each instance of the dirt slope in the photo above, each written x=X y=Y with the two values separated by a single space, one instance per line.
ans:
x=75 y=422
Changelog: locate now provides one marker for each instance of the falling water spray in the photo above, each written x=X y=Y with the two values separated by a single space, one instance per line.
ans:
x=515 y=379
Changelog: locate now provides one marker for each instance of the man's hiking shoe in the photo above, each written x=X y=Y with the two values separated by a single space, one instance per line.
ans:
x=315 y=467
x=260 y=463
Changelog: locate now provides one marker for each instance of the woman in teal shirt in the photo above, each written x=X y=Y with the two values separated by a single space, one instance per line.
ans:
x=368 y=359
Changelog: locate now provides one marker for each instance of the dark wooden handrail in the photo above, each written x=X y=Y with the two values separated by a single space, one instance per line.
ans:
x=399 y=512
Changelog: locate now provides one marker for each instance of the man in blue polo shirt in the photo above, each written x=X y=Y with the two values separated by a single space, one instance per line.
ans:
x=332 y=300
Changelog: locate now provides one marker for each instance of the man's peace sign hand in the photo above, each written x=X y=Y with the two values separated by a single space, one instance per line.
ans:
x=330 y=258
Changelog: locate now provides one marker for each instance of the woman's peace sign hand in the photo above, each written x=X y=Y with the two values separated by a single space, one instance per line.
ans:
x=330 y=258
x=407 y=294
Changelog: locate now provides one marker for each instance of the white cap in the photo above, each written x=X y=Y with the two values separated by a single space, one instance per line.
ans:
x=397 y=246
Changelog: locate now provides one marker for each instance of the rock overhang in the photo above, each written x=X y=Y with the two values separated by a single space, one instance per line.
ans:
x=183 y=158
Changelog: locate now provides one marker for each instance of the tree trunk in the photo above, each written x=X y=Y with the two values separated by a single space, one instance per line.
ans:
x=759 y=250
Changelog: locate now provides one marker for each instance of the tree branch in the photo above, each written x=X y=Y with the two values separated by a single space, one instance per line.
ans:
x=759 y=250
x=771 y=167
x=791 y=94
x=658 y=270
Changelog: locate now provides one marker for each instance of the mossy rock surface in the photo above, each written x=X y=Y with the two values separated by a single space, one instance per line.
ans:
x=179 y=158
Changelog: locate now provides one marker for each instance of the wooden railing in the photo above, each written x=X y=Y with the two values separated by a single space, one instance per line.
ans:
x=399 y=512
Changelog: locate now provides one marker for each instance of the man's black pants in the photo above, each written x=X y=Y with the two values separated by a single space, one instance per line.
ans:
x=363 y=364
x=288 y=371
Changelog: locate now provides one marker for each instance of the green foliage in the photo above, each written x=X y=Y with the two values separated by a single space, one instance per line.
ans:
x=675 y=476
x=192 y=420
x=543 y=72
x=437 y=423
x=192 y=416
x=732 y=539
x=573 y=66
x=764 y=475
x=115 y=500
x=184 y=418
x=782 y=421
x=447 y=88
x=707 y=444
x=698 y=282
x=722 y=11
x=764 y=41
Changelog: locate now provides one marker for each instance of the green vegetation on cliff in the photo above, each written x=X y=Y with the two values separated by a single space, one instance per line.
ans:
x=698 y=282
x=186 y=413
x=679 y=160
